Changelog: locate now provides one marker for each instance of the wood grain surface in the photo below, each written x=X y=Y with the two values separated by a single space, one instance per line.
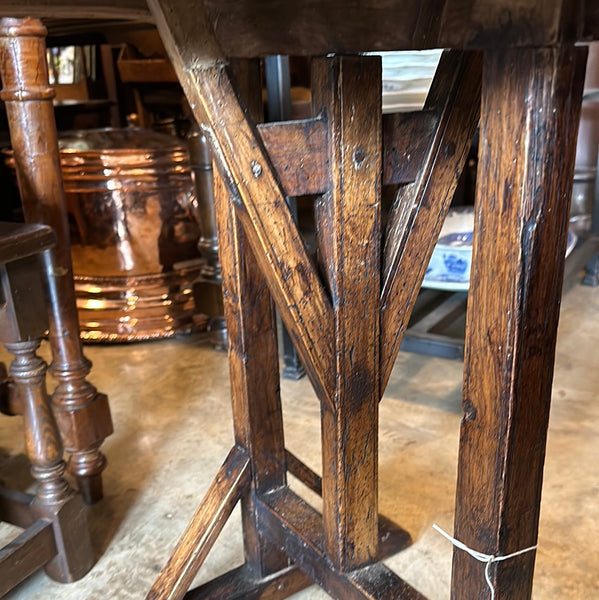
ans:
x=420 y=208
x=530 y=108
x=346 y=90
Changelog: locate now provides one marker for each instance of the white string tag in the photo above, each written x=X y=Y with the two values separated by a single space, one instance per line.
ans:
x=488 y=559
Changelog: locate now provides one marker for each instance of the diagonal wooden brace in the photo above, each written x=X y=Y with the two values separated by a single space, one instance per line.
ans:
x=269 y=227
x=294 y=284
x=420 y=208
x=227 y=488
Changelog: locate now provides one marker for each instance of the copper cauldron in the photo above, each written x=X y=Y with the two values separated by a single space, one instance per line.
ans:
x=134 y=240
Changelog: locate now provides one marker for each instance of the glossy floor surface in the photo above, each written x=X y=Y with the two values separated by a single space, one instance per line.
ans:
x=170 y=404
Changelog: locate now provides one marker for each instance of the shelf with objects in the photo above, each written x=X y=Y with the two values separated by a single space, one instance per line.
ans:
x=438 y=322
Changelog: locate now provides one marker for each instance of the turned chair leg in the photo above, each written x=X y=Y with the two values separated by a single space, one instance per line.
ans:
x=82 y=413
x=54 y=519
x=54 y=500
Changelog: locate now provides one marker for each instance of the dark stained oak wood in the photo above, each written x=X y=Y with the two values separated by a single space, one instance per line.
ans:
x=590 y=28
x=23 y=556
x=253 y=361
x=18 y=241
x=346 y=91
x=307 y=476
x=14 y=507
x=297 y=150
x=54 y=501
x=311 y=27
x=530 y=109
x=420 y=208
x=336 y=312
x=241 y=584
x=392 y=538
x=298 y=528
x=230 y=483
x=82 y=412
x=42 y=440
x=406 y=139
x=132 y=10
x=55 y=535
x=261 y=207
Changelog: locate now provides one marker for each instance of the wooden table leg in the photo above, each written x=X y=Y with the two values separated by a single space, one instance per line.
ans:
x=530 y=108
x=347 y=90
x=82 y=413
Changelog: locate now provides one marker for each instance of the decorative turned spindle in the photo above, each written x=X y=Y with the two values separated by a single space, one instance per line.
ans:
x=42 y=439
x=23 y=322
x=82 y=413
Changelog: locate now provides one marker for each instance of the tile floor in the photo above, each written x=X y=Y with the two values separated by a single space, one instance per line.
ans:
x=170 y=404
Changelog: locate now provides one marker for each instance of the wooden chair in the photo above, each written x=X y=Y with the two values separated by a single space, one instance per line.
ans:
x=82 y=413
x=54 y=520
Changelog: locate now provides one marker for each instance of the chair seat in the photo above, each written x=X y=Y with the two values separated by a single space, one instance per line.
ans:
x=19 y=240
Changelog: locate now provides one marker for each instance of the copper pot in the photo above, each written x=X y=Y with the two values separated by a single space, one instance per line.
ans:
x=133 y=238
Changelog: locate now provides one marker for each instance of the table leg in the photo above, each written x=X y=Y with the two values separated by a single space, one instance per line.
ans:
x=253 y=364
x=347 y=90
x=530 y=108
x=334 y=321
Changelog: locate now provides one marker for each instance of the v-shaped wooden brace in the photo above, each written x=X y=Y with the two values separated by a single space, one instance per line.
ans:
x=347 y=325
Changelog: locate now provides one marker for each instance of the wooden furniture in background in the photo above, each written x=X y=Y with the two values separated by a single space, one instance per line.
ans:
x=54 y=520
x=82 y=413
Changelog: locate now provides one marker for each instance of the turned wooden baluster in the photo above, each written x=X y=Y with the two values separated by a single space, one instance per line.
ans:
x=54 y=518
x=82 y=413
x=54 y=499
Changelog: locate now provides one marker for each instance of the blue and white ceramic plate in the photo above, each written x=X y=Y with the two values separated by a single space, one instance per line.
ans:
x=449 y=267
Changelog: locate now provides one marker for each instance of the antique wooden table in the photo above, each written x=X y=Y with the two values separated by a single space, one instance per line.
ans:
x=515 y=64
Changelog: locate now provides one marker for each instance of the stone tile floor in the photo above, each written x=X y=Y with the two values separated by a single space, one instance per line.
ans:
x=170 y=404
